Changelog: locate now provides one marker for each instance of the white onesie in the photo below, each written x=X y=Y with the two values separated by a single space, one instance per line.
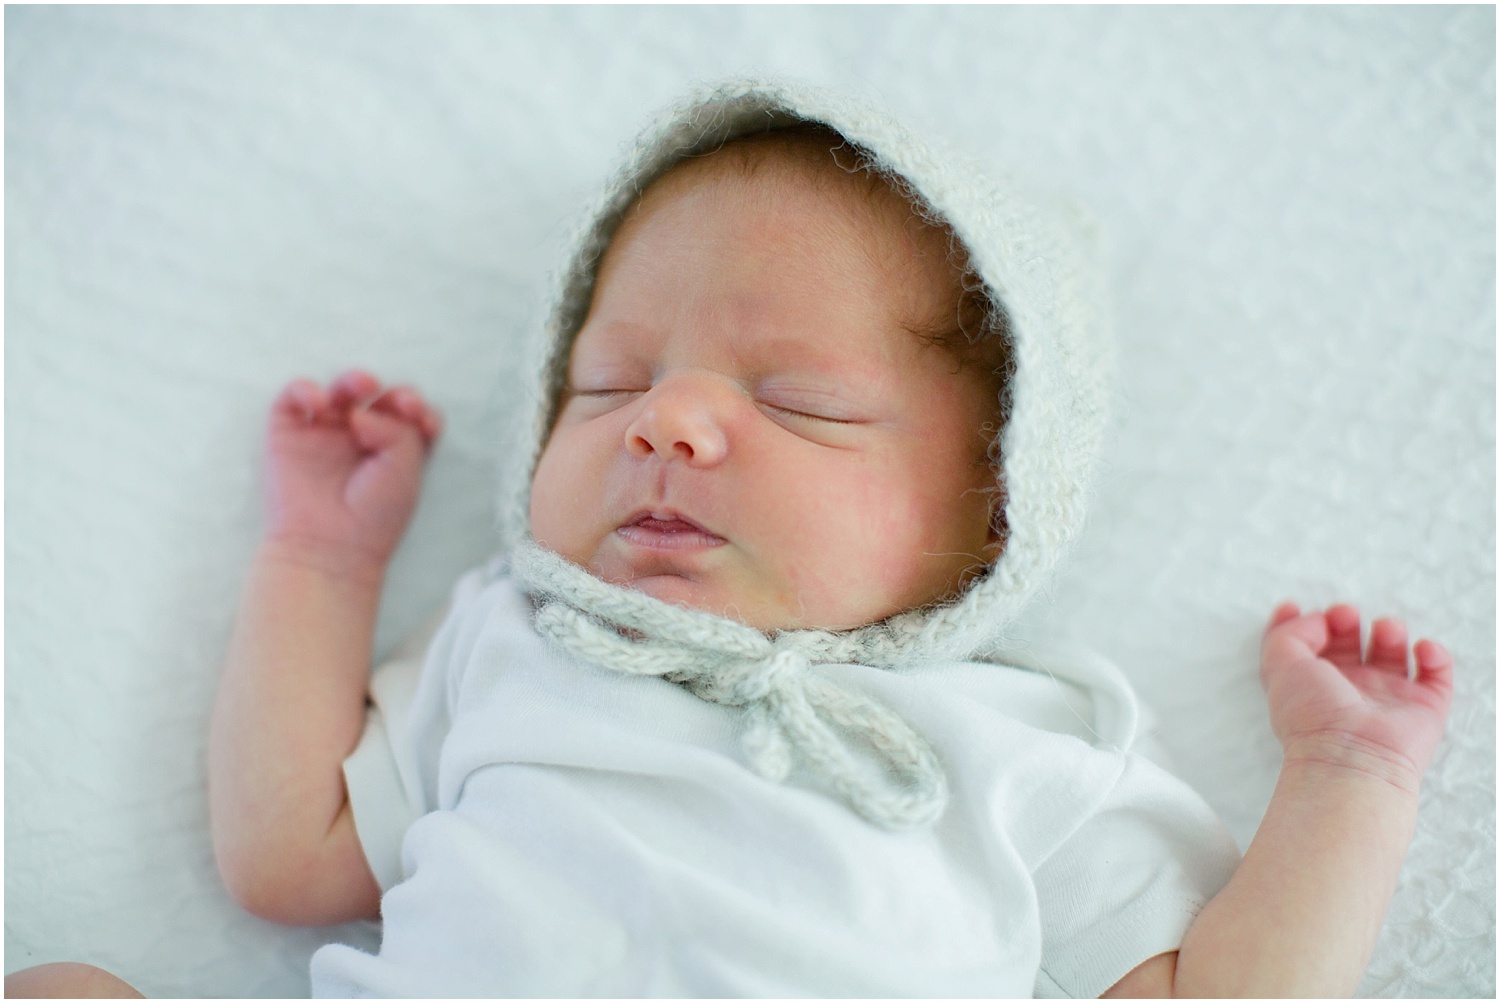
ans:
x=543 y=827
x=547 y=821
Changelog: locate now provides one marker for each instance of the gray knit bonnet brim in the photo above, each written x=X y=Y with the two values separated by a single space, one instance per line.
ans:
x=1037 y=259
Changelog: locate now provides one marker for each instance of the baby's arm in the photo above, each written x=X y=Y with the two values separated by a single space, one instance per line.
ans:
x=344 y=468
x=1302 y=912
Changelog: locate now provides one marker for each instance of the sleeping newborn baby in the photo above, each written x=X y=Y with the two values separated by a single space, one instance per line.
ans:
x=734 y=712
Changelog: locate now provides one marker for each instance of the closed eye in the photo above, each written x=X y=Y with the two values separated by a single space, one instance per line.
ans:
x=595 y=402
x=605 y=393
x=808 y=415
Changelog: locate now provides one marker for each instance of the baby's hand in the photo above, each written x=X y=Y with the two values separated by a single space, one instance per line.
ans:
x=1331 y=705
x=345 y=468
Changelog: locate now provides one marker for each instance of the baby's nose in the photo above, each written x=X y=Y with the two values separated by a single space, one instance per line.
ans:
x=684 y=418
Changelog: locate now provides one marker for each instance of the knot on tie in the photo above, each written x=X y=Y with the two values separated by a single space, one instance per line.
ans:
x=746 y=681
x=791 y=712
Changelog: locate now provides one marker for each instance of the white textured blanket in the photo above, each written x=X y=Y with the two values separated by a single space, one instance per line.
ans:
x=204 y=202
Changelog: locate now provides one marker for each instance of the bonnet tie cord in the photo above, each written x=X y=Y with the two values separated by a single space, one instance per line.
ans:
x=789 y=709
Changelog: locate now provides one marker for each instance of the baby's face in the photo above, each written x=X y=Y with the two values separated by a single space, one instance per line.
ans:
x=749 y=427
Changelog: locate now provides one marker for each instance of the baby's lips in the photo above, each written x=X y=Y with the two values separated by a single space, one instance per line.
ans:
x=666 y=521
x=668 y=529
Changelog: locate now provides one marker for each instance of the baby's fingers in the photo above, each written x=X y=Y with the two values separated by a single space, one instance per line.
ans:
x=351 y=387
x=1286 y=611
x=1292 y=639
x=301 y=401
x=377 y=430
x=405 y=403
x=1343 y=647
x=1434 y=665
x=1387 y=646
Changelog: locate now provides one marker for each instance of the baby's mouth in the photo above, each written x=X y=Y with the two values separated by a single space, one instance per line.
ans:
x=666 y=530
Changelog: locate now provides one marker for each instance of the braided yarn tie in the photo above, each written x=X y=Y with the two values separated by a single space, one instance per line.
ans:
x=790 y=711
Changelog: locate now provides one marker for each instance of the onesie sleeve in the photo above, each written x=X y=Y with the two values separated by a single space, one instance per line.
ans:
x=1129 y=881
x=392 y=775
x=385 y=797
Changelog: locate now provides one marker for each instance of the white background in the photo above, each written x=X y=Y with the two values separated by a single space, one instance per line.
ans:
x=202 y=203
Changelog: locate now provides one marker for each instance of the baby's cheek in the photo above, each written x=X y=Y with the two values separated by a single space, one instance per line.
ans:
x=883 y=539
x=934 y=533
x=558 y=498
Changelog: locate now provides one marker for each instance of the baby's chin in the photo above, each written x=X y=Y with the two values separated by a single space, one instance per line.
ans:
x=756 y=612
x=679 y=590
x=757 y=604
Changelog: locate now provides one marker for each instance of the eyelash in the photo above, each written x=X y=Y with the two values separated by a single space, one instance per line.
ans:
x=808 y=416
x=604 y=394
x=611 y=393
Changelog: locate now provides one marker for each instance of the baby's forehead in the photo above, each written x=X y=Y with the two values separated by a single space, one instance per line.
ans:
x=809 y=181
x=806 y=185
x=807 y=159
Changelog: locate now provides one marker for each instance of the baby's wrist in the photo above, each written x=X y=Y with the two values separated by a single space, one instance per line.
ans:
x=339 y=562
x=1346 y=758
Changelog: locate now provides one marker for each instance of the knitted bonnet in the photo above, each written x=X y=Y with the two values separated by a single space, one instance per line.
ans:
x=1036 y=265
